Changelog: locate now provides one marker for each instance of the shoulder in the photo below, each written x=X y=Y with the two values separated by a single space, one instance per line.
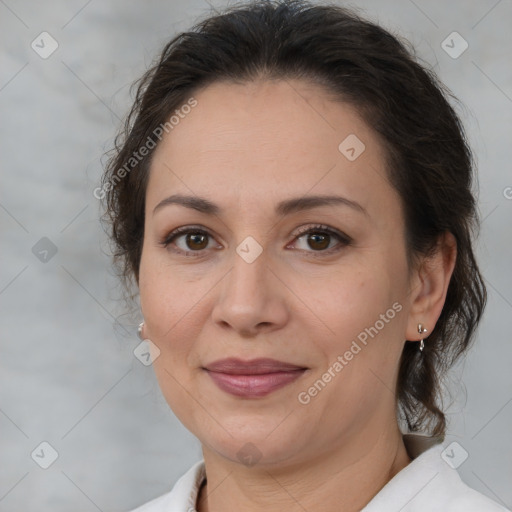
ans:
x=429 y=483
x=469 y=500
x=448 y=489
x=182 y=497
x=155 y=505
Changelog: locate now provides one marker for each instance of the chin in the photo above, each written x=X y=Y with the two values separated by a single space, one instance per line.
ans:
x=253 y=443
x=250 y=453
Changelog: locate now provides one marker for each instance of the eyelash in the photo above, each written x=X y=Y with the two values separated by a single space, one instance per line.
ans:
x=320 y=228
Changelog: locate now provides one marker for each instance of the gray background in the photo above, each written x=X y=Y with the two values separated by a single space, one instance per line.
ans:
x=68 y=374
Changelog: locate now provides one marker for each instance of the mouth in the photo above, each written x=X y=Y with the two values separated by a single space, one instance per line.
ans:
x=252 y=379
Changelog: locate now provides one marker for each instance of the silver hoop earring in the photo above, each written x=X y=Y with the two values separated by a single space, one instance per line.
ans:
x=421 y=330
x=139 y=331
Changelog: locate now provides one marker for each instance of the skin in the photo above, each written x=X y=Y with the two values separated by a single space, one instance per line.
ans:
x=246 y=147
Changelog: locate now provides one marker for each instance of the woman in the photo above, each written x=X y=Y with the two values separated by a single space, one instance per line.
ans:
x=292 y=198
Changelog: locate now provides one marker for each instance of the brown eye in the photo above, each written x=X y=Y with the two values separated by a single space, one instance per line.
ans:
x=196 y=241
x=188 y=240
x=322 y=240
x=319 y=241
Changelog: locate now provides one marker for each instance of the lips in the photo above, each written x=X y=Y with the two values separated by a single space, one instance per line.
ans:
x=253 y=378
x=260 y=366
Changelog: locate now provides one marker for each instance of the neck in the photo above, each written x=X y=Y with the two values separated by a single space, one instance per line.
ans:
x=341 y=480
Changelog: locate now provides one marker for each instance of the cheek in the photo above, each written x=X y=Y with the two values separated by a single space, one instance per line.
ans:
x=347 y=299
x=362 y=308
x=164 y=296
x=172 y=305
x=171 y=323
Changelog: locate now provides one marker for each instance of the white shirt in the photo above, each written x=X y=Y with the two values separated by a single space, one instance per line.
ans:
x=427 y=484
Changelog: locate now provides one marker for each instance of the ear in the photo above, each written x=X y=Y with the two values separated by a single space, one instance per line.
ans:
x=429 y=285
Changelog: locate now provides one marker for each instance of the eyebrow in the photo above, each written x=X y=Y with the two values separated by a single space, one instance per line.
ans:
x=286 y=207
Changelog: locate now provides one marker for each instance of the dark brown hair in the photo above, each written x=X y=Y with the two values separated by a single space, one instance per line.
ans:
x=356 y=61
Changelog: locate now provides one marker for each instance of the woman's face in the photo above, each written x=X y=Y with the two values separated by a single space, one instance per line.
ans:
x=335 y=303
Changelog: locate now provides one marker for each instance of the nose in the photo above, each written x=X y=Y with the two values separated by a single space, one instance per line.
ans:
x=251 y=298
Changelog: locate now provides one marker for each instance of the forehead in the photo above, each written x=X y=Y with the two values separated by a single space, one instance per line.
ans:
x=269 y=140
